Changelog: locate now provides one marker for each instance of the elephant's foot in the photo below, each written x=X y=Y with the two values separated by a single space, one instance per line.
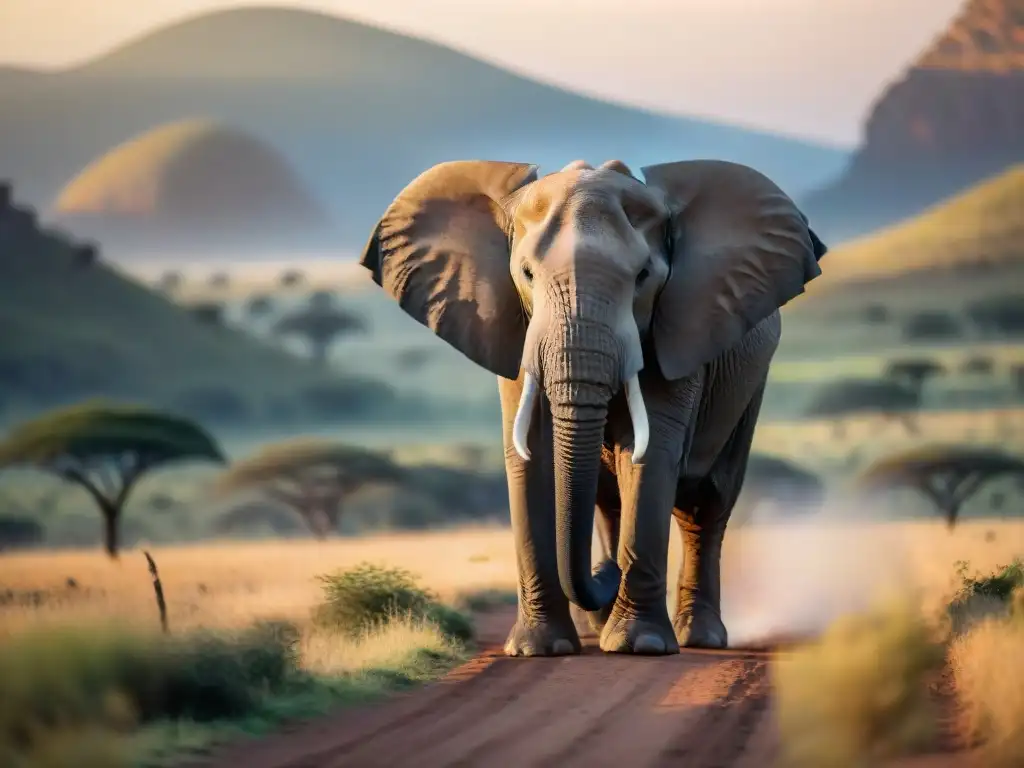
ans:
x=646 y=632
x=700 y=627
x=542 y=638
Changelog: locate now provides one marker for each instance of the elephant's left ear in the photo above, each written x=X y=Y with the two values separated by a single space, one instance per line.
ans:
x=739 y=249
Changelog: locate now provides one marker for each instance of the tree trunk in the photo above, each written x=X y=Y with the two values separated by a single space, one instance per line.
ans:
x=110 y=532
x=319 y=523
x=318 y=350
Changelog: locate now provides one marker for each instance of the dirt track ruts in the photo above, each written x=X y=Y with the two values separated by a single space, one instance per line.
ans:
x=701 y=709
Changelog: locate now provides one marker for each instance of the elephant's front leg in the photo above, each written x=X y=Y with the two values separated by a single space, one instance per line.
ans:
x=544 y=626
x=639 y=621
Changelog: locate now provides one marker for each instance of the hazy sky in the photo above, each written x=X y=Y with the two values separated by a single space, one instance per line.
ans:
x=804 y=67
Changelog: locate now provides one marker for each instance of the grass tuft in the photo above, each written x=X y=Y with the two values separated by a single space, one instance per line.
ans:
x=988 y=664
x=860 y=694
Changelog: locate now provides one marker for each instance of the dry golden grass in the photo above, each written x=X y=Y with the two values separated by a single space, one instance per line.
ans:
x=988 y=662
x=859 y=695
x=230 y=585
x=384 y=647
x=798 y=572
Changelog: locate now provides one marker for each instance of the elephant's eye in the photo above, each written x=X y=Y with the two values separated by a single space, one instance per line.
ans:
x=644 y=274
x=527 y=273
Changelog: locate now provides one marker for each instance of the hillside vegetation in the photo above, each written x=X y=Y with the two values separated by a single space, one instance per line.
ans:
x=982 y=227
x=75 y=328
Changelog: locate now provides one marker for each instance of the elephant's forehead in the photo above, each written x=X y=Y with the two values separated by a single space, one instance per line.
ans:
x=567 y=181
x=587 y=188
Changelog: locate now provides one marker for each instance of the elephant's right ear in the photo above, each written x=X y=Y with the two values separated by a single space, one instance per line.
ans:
x=441 y=250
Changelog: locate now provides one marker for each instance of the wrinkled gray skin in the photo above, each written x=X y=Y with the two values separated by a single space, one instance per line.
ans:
x=587 y=282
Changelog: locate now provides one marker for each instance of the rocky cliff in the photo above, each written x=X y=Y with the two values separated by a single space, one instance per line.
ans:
x=954 y=118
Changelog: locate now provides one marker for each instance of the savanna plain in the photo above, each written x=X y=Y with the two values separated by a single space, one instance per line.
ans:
x=866 y=629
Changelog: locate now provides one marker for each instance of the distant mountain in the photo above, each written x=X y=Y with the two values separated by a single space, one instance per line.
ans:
x=976 y=232
x=192 y=185
x=357 y=110
x=956 y=117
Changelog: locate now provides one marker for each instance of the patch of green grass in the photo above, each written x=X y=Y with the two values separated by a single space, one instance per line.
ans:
x=359 y=599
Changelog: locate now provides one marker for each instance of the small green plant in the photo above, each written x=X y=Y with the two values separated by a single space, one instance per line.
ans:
x=980 y=596
x=359 y=599
x=451 y=621
x=1000 y=584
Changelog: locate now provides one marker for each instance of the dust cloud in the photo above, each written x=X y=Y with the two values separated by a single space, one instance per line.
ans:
x=784 y=580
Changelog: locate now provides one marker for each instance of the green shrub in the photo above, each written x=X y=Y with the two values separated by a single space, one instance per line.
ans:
x=452 y=622
x=980 y=596
x=1000 y=584
x=366 y=596
x=79 y=679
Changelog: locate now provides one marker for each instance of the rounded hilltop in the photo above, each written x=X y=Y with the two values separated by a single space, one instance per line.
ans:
x=190 y=183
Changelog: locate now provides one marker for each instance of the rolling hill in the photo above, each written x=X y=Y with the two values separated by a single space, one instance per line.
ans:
x=962 y=251
x=357 y=111
x=74 y=328
x=192 y=185
x=979 y=230
x=951 y=120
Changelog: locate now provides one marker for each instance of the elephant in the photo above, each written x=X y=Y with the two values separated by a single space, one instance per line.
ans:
x=631 y=324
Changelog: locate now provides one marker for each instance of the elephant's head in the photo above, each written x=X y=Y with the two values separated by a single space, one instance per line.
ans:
x=568 y=276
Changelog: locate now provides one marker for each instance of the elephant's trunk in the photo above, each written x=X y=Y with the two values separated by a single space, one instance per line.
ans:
x=578 y=435
x=582 y=369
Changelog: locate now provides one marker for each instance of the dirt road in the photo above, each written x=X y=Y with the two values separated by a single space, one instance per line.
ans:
x=700 y=709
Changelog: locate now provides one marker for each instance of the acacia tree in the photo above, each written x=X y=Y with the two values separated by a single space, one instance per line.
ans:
x=848 y=397
x=311 y=477
x=106 y=449
x=319 y=326
x=947 y=474
x=259 y=305
x=914 y=372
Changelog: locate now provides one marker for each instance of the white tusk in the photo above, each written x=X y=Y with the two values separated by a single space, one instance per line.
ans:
x=638 y=413
x=521 y=425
